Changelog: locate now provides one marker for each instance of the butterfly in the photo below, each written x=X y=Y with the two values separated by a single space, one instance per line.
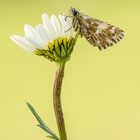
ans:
x=97 y=33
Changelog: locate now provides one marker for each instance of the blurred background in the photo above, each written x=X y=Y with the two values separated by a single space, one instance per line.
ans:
x=101 y=89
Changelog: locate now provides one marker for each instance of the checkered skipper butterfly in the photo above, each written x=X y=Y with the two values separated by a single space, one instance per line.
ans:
x=97 y=32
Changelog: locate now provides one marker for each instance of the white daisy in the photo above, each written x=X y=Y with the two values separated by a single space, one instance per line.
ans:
x=54 y=39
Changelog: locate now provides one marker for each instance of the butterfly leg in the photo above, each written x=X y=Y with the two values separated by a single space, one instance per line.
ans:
x=68 y=29
x=68 y=17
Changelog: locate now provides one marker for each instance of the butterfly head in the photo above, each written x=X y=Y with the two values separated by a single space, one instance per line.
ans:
x=74 y=11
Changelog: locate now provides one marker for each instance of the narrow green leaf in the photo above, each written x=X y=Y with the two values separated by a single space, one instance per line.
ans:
x=51 y=133
x=50 y=137
x=41 y=123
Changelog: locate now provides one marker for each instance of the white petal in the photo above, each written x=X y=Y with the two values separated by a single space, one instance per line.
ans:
x=56 y=25
x=69 y=22
x=69 y=25
x=63 y=22
x=47 y=24
x=22 y=42
x=32 y=36
x=66 y=25
x=42 y=33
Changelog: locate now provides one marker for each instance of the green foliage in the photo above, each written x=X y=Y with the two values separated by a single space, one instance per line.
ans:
x=41 y=124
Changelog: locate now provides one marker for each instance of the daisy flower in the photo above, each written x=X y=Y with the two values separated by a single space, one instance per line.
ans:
x=54 y=39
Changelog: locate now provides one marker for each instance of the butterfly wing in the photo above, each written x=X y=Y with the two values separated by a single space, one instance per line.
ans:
x=100 y=33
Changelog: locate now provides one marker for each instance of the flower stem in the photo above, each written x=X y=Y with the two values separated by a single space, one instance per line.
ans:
x=57 y=100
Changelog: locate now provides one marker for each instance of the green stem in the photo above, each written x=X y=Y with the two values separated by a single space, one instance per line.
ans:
x=57 y=100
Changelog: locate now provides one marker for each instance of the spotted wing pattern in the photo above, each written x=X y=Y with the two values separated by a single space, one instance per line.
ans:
x=99 y=33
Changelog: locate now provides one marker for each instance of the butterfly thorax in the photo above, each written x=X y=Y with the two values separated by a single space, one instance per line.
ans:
x=77 y=21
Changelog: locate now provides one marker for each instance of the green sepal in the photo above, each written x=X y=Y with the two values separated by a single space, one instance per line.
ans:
x=56 y=57
x=45 y=53
x=65 y=42
x=60 y=40
x=70 y=49
x=69 y=42
x=63 y=52
x=41 y=123
x=50 y=59
x=50 y=55
x=50 y=47
x=57 y=47
x=69 y=55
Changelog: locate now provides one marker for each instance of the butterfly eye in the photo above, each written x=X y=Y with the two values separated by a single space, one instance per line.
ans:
x=74 y=11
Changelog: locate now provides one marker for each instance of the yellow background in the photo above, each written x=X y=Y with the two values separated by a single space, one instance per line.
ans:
x=101 y=90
